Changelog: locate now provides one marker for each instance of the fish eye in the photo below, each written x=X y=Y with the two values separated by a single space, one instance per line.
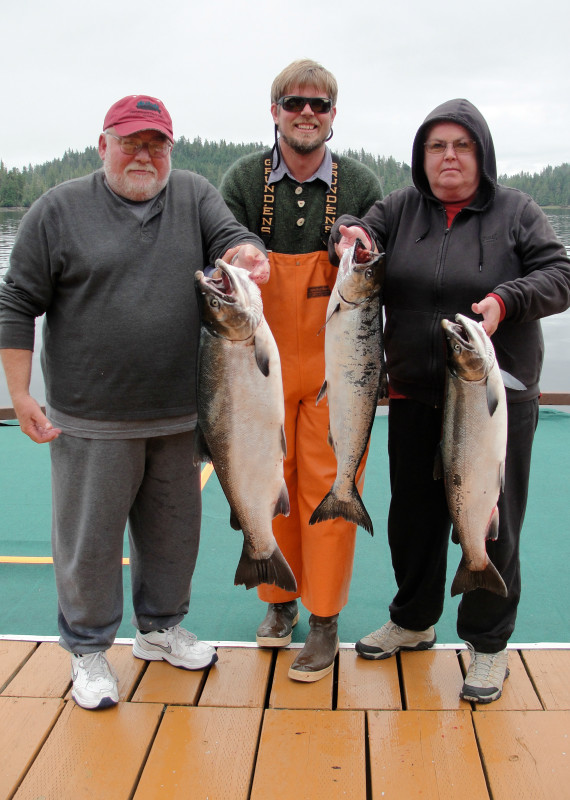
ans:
x=457 y=347
x=214 y=302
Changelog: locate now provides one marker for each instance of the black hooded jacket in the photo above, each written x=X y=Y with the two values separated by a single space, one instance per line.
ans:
x=501 y=243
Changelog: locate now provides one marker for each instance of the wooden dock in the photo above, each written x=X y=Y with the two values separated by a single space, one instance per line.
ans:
x=386 y=730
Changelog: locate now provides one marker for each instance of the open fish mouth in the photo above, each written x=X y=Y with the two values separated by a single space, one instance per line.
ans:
x=457 y=332
x=221 y=283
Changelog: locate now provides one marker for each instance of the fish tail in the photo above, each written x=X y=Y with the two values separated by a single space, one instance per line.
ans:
x=331 y=507
x=466 y=580
x=253 y=571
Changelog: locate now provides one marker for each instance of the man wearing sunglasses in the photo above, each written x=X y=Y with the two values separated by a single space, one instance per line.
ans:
x=291 y=196
x=110 y=259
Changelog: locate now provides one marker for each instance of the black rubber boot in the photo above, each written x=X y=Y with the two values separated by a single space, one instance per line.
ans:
x=275 y=630
x=316 y=659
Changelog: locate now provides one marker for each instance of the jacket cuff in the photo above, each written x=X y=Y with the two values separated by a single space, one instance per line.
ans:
x=499 y=300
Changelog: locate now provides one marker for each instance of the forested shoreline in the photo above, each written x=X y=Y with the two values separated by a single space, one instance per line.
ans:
x=19 y=188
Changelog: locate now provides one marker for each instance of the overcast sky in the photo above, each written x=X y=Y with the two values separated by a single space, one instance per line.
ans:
x=212 y=63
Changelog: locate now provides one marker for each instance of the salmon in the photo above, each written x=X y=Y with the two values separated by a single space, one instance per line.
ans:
x=355 y=377
x=241 y=417
x=472 y=453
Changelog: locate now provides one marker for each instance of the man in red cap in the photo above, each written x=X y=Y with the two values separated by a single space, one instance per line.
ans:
x=110 y=260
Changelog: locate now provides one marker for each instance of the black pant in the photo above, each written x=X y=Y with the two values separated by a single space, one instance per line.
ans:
x=419 y=526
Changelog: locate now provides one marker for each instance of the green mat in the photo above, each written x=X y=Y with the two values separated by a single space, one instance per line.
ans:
x=220 y=611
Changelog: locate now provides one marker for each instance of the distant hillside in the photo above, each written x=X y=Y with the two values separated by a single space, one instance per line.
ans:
x=211 y=159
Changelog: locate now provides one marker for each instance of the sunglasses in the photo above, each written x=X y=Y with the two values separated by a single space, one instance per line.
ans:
x=293 y=102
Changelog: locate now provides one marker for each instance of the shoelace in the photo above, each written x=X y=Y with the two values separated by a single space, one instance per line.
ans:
x=181 y=634
x=484 y=664
x=387 y=628
x=97 y=666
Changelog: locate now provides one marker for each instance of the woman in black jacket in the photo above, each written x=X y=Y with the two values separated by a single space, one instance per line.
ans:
x=456 y=242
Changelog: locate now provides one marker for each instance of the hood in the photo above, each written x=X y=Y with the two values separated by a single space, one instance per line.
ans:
x=464 y=113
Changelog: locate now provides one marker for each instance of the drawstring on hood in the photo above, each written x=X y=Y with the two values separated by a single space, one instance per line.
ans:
x=464 y=113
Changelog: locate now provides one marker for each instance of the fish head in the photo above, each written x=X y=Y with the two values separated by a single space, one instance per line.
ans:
x=361 y=274
x=470 y=354
x=230 y=302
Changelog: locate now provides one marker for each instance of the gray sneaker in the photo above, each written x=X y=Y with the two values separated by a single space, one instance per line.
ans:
x=94 y=681
x=390 y=638
x=485 y=676
x=177 y=646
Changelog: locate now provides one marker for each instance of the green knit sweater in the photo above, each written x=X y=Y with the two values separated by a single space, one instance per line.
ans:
x=299 y=216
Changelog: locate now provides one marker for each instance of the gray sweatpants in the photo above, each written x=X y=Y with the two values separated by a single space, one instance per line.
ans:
x=97 y=486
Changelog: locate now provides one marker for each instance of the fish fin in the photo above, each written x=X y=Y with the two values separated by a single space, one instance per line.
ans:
x=511 y=382
x=251 y=571
x=201 y=449
x=438 y=464
x=502 y=476
x=493 y=532
x=282 y=504
x=492 y=398
x=327 y=320
x=283 y=441
x=454 y=536
x=330 y=440
x=331 y=507
x=466 y=580
x=261 y=357
x=322 y=393
x=234 y=521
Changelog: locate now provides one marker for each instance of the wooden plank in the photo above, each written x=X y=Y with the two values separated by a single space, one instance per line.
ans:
x=240 y=678
x=24 y=725
x=163 y=683
x=367 y=684
x=309 y=755
x=518 y=692
x=424 y=754
x=95 y=754
x=287 y=693
x=432 y=680
x=12 y=657
x=549 y=671
x=525 y=753
x=46 y=674
x=202 y=753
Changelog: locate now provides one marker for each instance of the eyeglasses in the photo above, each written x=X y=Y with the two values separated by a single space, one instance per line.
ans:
x=294 y=102
x=461 y=147
x=157 y=148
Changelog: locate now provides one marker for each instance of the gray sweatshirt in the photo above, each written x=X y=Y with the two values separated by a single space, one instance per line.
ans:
x=122 y=323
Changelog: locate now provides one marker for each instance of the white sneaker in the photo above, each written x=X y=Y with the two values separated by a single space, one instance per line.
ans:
x=94 y=681
x=485 y=676
x=175 y=645
x=390 y=638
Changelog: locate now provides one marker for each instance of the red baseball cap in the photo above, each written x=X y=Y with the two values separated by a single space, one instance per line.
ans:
x=139 y=112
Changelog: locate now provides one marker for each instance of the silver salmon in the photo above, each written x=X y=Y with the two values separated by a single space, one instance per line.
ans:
x=355 y=377
x=241 y=418
x=472 y=452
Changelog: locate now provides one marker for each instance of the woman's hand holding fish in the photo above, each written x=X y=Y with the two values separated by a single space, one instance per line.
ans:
x=348 y=238
x=490 y=310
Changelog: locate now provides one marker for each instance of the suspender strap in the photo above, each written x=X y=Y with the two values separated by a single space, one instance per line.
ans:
x=268 y=205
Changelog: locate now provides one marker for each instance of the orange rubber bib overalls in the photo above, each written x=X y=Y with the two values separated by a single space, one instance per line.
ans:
x=321 y=556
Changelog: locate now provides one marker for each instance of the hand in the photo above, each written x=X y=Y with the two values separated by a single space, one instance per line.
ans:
x=33 y=422
x=348 y=236
x=490 y=310
x=254 y=261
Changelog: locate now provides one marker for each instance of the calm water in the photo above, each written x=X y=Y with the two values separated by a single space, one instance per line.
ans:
x=555 y=374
